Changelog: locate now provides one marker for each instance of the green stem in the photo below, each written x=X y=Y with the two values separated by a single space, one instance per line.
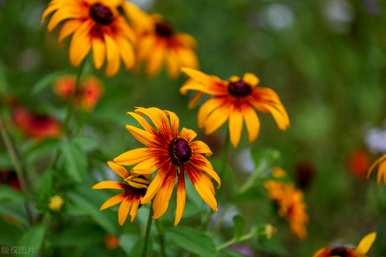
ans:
x=23 y=177
x=161 y=239
x=233 y=241
x=147 y=234
x=227 y=146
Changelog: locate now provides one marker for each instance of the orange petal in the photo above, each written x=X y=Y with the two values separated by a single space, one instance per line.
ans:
x=147 y=166
x=156 y=59
x=80 y=44
x=118 y=169
x=162 y=199
x=99 y=52
x=112 y=201
x=134 y=209
x=112 y=53
x=216 y=119
x=140 y=135
x=154 y=186
x=133 y=156
x=252 y=123
x=108 y=184
x=181 y=198
x=143 y=122
x=188 y=134
x=209 y=106
x=235 y=126
x=200 y=147
x=123 y=211
x=204 y=188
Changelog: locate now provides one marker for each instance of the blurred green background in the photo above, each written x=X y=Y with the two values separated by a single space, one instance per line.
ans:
x=325 y=58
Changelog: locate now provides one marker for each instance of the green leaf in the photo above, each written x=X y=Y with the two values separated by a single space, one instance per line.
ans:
x=45 y=189
x=238 y=226
x=192 y=240
x=74 y=160
x=32 y=240
x=46 y=81
x=7 y=193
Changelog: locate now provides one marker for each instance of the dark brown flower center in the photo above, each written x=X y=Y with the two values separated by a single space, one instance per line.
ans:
x=163 y=29
x=101 y=14
x=179 y=151
x=340 y=251
x=239 y=88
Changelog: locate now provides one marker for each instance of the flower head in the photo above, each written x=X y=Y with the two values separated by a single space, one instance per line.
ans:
x=291 y=205
x=37 y=126
x=381 y=163
x=56 y=203
x=134 y=187
x=359 y=162
x=235 y=100
x=159 y=43
x=345 y=251
x=94 y=25
x=170 y=154
x=88 y=94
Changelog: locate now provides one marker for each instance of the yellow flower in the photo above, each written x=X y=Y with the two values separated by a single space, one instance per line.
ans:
x=56 y=203
x=278 y=172
x=269 y=231
x=96 y=25
x=360 y=251
x=134 y=188
x=381 y=163
x=170 y=154
x=234 y=100
x=291 y=205
x=159 y=44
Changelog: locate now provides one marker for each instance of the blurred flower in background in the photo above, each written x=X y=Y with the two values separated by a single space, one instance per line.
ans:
x=304 y=174
x=111 y=242
x=339 y=14
x=56 y=203
x=376 y=140
x=87 y=95
x=10 y=178
x=358 y=163
x=243 y=250
x=277 y=16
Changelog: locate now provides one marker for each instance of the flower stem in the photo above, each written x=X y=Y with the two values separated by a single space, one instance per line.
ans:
x=23 y=177
x=161 y=239
x=147 y=235
x=233 y=241
x=227 y=146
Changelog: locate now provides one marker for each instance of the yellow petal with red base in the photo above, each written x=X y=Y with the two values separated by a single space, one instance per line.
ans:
x=162 y=198
x=108 y=185
x=118 y=169
x=181 y=198
x=133 y=156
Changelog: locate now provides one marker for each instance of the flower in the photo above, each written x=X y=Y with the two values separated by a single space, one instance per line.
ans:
x=111 y=242
x=304 y=174
x=237 y=100
x=358 y=162
x=291 y=205
x=96 y=25
x=37 y=126
x=269 y=231
x=9 y=177
x=134 y=188
x=158 y=43
x=88 y=94
x=381 y=163
x=170 y=154
x=56 y=203
x=360 y=251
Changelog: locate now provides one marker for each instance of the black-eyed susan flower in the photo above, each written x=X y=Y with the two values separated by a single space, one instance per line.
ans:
x=291 y=205
x=134 y=188
x=159 y=44
x=94 y=25
x=170 y=154
x=87 y=95
x=235 y=100
x=381 y=163
x=360 y=251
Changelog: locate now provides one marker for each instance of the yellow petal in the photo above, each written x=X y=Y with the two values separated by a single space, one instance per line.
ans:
x=162 y=199
x=200 y=163
x=68 y=28
x=112 y=201
x=123 y=211
x=118 y=169
x=154 y=186
x=200 y=147
x=188 y=134
x=127 y=52
x=157 y=116
x=252 y=123
x=209 y=106
x=63 y=14
x=366 y=243
x=99 y=52
x=112 y=52
x=174 y=122
x=204 y=187
x=235 y=126
x=143 y=122
x=173 y=64
x=133 y=210
x=132 y=157
x=251 y=79
x=146 y=167
x=140 y=135
x=108 y=185
x=181 y=198
x=216 y=119
x=80 y=44
x=199 y=76
x=187 y=58
x=156 y=59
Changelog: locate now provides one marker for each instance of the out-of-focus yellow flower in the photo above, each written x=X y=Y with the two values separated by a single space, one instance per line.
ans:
x=134 y=188
x=56 y=203
x=170 y=153
x=278 y=172
x=159 y=44
x=235 y=100
x=381 y=163
x=291 y=205
x=360 y=251
x=269 y=231
x=97 y=26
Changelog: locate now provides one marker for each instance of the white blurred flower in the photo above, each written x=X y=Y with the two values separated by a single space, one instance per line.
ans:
x=278 y=16
x=244 y=161
x=376 y=140
x=224 y=217
x=144 y=4
x=339 y=14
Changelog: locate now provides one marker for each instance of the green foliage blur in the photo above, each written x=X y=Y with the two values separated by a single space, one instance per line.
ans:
x=325 y=58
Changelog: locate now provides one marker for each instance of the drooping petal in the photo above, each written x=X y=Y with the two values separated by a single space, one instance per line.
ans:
x=366 y=243
x=68 y=28
x=134 y=209
x=235 y=126
x=156 y=59
x=133 y=156
x=216 y=119
x=112 y=53
x=146 y=167
x=181 y=198
x=140 y=135
x=252 y=123
x=154 y=186
x=112 y=201
x=172 y=63
x=142 y=121
x=157 y=116
x=200 y=147
x=198 y=76
x=123 y=211
x=204 y=187
x=127 y=52
x=209 y=106
x=162 y=198
x=118 y=169
x=108 y=184
x=99 y=52
x=200 y=163
x=80 y=44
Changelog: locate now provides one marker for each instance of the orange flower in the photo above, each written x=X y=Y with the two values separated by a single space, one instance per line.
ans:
x=360 y=251
x=291 y=205
x=158 y=43
x=134 y=188
x=38 y=126
x=381 y=163
x=359 y=163
x=96 y=25
x=237 y=100
x=111 y=242
x=171 y=154
x=88 y=94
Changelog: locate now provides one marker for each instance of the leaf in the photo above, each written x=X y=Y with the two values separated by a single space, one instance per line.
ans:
x=32 y=240
x=7 y=193
x=193 y=240
x=46 y=81
x=238 y=226
x=92 y=210
x=74 y=160
x=45 y=189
